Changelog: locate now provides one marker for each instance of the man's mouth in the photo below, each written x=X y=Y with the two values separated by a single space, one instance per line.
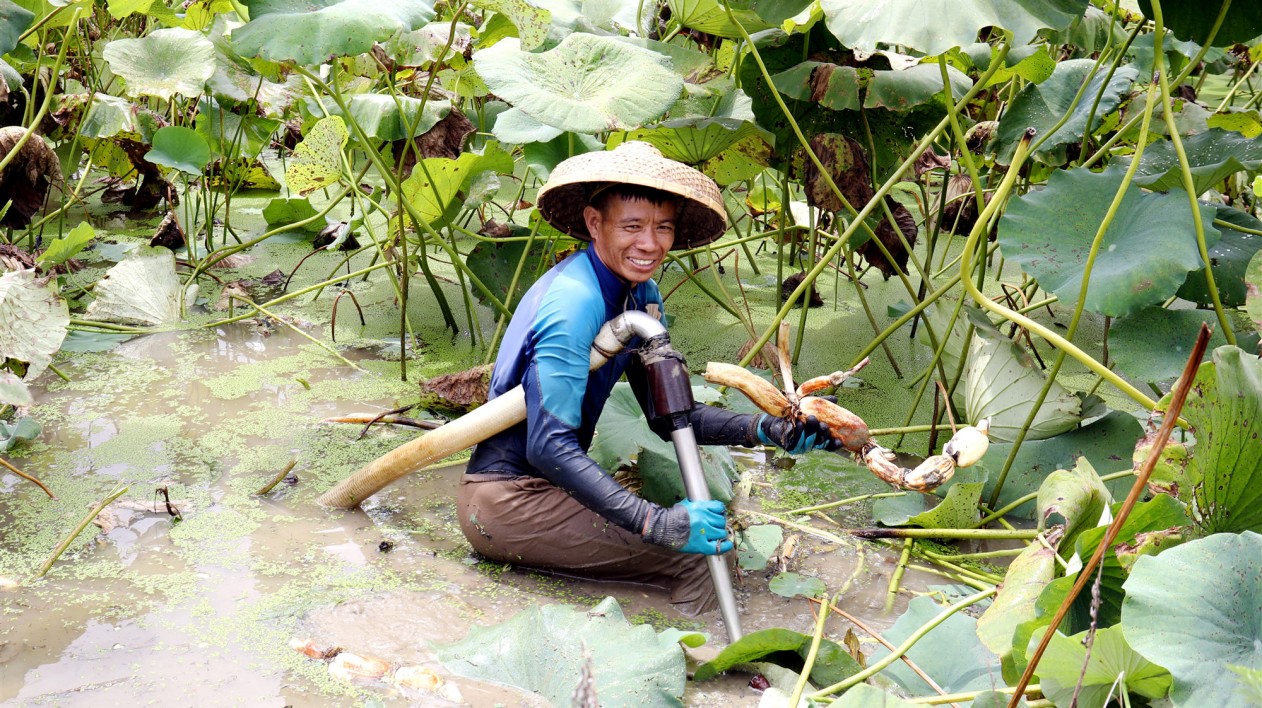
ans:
x=642 y=263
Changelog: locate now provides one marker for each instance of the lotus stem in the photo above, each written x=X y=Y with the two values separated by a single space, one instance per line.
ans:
x=902 y=649
x=953 y=534
x=1030 y=690
x=27 y=477
x=287 y=296
x=896 y=578
x=276 y=480
x=820 y=620
x=844 y=502
x=809 y=530
x=313 y=340
x=61 y=548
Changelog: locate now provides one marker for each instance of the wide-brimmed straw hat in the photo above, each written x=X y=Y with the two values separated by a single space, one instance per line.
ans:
x=701 y=217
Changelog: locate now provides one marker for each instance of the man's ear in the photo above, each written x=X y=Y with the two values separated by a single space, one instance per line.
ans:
x=591 y=217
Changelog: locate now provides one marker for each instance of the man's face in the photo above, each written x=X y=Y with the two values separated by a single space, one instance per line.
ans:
x=631 y=237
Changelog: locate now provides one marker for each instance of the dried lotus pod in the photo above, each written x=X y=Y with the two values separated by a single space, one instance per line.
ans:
x=969 y=444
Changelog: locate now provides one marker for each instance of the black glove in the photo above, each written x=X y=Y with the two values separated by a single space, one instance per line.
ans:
x=796 y=436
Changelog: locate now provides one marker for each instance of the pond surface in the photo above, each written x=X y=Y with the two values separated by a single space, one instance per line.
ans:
x=203 y=611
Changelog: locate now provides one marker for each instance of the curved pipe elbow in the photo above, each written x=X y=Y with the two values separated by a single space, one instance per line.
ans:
x=618 y=332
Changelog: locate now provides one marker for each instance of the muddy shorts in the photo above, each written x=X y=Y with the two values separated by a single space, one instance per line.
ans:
x=529 y=522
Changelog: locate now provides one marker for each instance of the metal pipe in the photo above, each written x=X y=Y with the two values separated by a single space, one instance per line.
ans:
x=694 y=484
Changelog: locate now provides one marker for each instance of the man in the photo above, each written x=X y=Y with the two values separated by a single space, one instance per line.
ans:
x=531 y=495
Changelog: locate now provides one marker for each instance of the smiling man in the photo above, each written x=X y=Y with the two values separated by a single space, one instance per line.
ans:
x=531 y=495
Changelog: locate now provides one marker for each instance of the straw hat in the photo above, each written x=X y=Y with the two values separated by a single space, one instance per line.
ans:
x=701 y=218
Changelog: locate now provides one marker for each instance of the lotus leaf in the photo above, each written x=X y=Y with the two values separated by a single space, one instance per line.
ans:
x=865 y=696
x=710 y=17
x=515 y=127
x=793 y=585
x=696 y=67
x=67 y=247
x=958 y=510
x=22 y=429
x=586 y=84
x=623 y=436
x=786 y=648
x=1253 y=290
x=727 y=150
x=1247 y=123
x=1153 y=344
x=233 y=135
x=1077 y=496
x=179 y=148
x=951 y=654
x=1001 y=382
x=1143 y=258
x=542 y=650
x=1111 y=669
x=1193 y=21
x=755 y=545
x=1229 y=258
x=1224 y=408
x=841 y=87
x=14 y=19
x=13 y=390
x=542 y=157
x=1107 y=443
x=532 y=22
x=164 y=63
x=1089 y=34
x=83 y=341
x=312 y=31
x=1042 y=106
x=142 y=289
x=496 y=264
x=386 y=117
x=317 y=161
x=108 y=116
x=1027 y=575
x=436 y=182
x=1197 y=609
x=934 y=26
x=33 y=320
x=282 y=211
x=1212 y=156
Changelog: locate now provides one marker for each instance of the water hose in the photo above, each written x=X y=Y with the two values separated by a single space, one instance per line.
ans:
x=494 y=416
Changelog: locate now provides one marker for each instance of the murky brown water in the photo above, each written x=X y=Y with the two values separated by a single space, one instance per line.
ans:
x=201 y=612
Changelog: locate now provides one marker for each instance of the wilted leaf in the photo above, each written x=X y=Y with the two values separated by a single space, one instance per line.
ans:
x=532 y=22
x=13 y=390
x=792 y=585
x=141 y=289
x=541 y=650
x=1027 y=575
x=432 y=191
x=1196 y=609
x=1143 y=258
x=1077 y=496
x=164 y=63
x=33 y=320
x=586 y=84
x=317 y=161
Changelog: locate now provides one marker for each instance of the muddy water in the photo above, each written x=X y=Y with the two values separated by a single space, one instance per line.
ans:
x=202 y=611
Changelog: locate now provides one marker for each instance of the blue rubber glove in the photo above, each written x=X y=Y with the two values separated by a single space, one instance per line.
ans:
x=707 y=522
x=795 y=436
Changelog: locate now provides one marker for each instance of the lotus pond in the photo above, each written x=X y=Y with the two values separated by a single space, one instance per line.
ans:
x=227 y=223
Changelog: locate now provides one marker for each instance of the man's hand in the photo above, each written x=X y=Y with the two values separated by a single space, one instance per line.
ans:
x=690 y=527
x=707 y=524
x=795 y=436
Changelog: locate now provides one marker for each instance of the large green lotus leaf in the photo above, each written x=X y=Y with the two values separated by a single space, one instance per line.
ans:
x=1213 y=155
x=1229 y=258
x=435 y=184
x=840 y=87
x=1247 y=123
x=956 y=510
x=696 y=67
x=1107 y=443
x=1113 y=668
x=233 y=135
x=623 y=436
x=586 y=84
x=317 y=160
x=33 y=320
x=1001 y=382
x=1077 y=496
x=313 y=31
x=1143 y=258
x=1253 y=290
x=542 y=157
x=1088 y=34
x=1224 y=408
x=755 y=545
x=108 y=116
x=934 y=26
x=1027 y=575
x=385 y=117
x=21 y=430
x=532 y=22
x=902 y=89
x=1193 y=20
x=865 y=696
x=951 y=654
x=515 y=127
x=179 y=148
x=1197 y=609
x=64 y=248
x=495 y=264
x=142 y=289
x=164 y=63
x=13 y=392
x=709 y=16
x=1153 y=345
x=727 y=150
x=784 y=647
x=14 y=19
x=542 y=650
x=1042 y=106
